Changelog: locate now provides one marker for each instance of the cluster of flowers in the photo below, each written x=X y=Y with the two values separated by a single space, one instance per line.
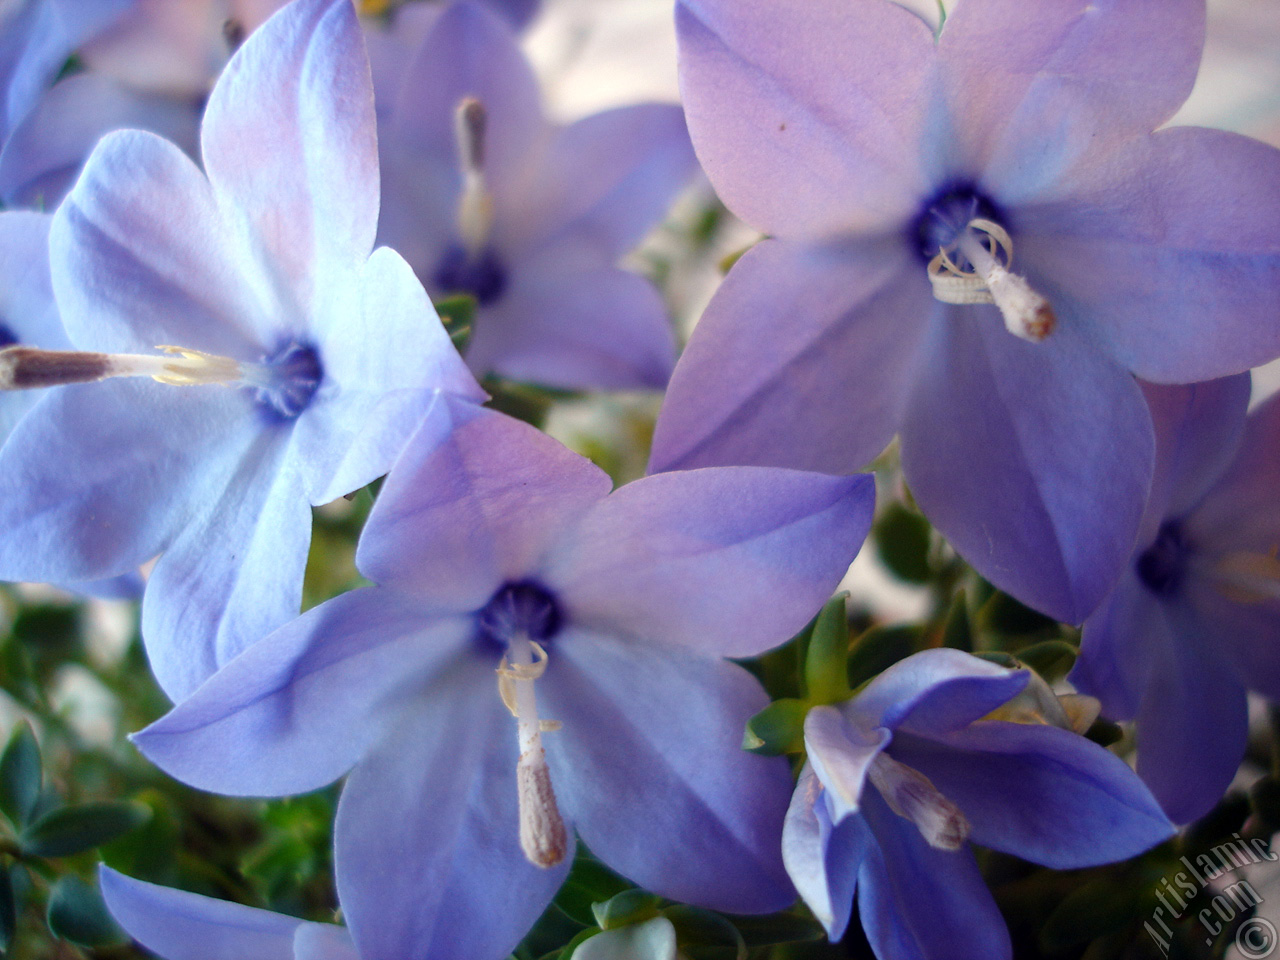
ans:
x=976 y=243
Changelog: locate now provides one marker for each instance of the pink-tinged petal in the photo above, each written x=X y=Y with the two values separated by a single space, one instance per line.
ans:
x=1198 y=432
x=470 y=52
x=1167 y=252
x=289 y=141
x=580 y=327
x=1034 y=85
x=823 y=861
x=805 y=358
x=935 y=691
x=44 y=155
x=1116 y=647
x=606 y=181
x=476 y=499
x=156 y=452
x=920 y=903
x=385 y=365
x=199 y=610
x=174 y=47
x=671 y=558
x=1042 y=793
x=649 y=764
x=428 y=857
x=1192 y=723
x=141 y=257
x=808 y=117
x=178 y=925
x=298 y=709
x=1002 y=437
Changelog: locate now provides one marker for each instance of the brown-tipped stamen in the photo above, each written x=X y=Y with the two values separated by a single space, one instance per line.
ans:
x=912 y=795
x=26 y=368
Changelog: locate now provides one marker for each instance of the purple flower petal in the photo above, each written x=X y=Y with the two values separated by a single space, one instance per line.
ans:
x=1030 y=84
x=649 y=765
x=920 y=903
x=823 y=861
x=383 y=363
x=178 y=925
x=199 y=610
x=1003 y=435
x=935 y=691
x=300 y=165
x=427 y=851
x=1166 y=254
x=831 y=99
x=63 y=523
x=1192 y=723
x=28 y=313
x=1246 y=635
x=47 y=150
x=492 y=492
x=562 y=325
x=141 y=256
x=805 y=358
x=672 y=557
x=1045 y=794
x=298 y=708
x=323 y=941
x=1116 y=645
x=841 y=754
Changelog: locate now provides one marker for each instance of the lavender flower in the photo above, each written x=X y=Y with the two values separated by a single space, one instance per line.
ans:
x=1195 y=620
x=921 y=761
x=604 y=616
x=302 y=363
x=484 y=196
x=177 y=925
x=977 y=238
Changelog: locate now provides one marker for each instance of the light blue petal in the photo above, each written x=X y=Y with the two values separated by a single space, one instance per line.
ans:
x=670 y=557
x=649 y=764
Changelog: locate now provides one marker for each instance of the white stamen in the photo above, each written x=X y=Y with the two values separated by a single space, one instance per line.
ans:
x=912 y=795
x=1246 y=577
x=23 y=368
x=1027 y=313
x=475 y=205
x=542 y=832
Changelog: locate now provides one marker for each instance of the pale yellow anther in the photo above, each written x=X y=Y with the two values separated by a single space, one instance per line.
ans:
x=1247 y=577
x=194 y=367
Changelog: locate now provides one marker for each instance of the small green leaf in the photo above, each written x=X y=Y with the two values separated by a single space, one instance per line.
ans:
x=826 y=662
x=76 y=913
x=878 y=649
x=1006 y=616
x=458 y=314
x=20 y=775
x=777 y=729
x=630 y=906
x=589 y=882
x=1052 y=659
x=8 y=910
x=765 y=931
x=1094 y=910
x=902 y=538
x=957 y=632
x=704 y=935
x=71 y=830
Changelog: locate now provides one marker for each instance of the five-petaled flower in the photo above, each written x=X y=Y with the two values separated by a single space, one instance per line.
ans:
x=976 y=240
x=918 y=763
x=511 y=579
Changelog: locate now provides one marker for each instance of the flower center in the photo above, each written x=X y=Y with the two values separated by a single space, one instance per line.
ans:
x=912 y=795
x=970 y=259
x=283 y=383
x=1161 y=566
x=483 y=276
x=522 y=616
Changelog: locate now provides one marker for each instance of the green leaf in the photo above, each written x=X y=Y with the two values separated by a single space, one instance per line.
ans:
x=704 y=935
x=1094 y=910
x=71 y=830
x=777 y=729
x=630 y=906
x=957 y=632
x=826 y=662
x=1006 y=616
x=878 y=649
x=76 y=913
x=777 y=928
x=458 y=314
x=1052 y=659
x=902 y=538
x=20 y=775
x=589 y=882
